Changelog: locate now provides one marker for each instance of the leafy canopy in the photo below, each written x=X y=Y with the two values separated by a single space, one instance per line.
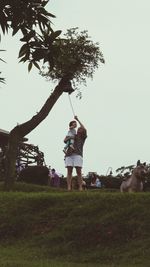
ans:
x=30 y=18
x=74 y=56
x=77 y=57
x=23 y=15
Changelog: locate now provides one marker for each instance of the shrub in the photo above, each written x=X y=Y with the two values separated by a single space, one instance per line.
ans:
x=35 y=175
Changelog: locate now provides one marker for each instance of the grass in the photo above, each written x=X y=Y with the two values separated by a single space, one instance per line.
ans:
x=43 y=227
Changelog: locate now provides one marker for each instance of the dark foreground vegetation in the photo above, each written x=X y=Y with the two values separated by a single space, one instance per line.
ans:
x=41 y=226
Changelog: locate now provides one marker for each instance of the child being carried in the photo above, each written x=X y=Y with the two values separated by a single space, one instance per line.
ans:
x=71 y=133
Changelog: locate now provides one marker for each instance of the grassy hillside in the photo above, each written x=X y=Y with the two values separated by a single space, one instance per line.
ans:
x=59 y=228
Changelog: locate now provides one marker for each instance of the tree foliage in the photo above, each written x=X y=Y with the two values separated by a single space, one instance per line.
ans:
x=39 y=47
x=31 y=19
x=77 y=57
x=73 y=56
x=23 y=15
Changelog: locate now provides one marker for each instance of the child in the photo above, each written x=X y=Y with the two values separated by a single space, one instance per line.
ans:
x=71 y=133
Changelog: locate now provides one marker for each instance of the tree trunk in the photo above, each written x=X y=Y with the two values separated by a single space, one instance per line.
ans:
x=10 y=161
x=20 y=131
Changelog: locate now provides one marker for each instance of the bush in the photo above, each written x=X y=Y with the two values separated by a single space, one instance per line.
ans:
x=35 y=175
x=111 y=181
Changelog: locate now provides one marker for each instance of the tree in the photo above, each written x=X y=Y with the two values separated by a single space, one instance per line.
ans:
x=74 y=57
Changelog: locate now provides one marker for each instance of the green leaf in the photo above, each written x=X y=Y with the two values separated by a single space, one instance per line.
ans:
x=51 y=15
x=36 y=65
x=15 y=30
x=23 y=59
x=28 y=36
x=24 y=49
x=30 y=66
x=54 y=35
x=57 y=33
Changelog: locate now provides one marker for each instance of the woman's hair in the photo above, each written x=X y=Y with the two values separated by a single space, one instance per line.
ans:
x=81 y=130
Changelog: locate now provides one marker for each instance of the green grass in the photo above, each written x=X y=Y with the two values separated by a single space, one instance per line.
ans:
x=43 y=227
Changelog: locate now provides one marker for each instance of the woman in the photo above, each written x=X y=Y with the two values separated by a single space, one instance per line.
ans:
x=74 y=157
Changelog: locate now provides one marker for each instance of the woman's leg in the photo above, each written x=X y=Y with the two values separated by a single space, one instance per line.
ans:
x=79 y=174
x=69 y=177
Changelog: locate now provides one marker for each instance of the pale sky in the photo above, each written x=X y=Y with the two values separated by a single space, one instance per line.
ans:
x=115 y=104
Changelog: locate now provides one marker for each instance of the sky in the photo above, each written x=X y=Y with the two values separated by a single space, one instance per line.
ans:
x=115 y=103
